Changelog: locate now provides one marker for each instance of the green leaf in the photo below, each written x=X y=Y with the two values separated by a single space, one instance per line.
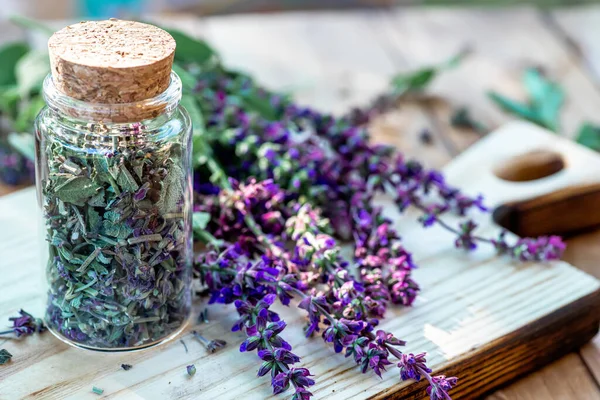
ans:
x=259 y=104
x=589 y=136
x=514 y=107
x=9 y=56
x=31 y=71
x=31 y=24
x=412 y=81
x=200 y=221
x=545 y=100
x=201 y=149
x=190 y=50
x=29 y=111
x=193 y=109
x=188 y=81
x=23 y=143
x=546 y=97
x=419 y=79
x=76 y=190
x=9 y=100
x=5 y=356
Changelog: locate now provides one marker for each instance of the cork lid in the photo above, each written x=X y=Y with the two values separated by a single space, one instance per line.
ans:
x=112 y=61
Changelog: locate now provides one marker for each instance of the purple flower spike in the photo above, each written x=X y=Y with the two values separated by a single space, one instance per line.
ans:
x=440 y=385
x=412 y=366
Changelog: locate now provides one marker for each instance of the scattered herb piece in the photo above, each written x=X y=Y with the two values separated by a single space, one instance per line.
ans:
x=544 y=102
x=184 y=345
x=5 y=356
x=462 y=118
x=25 y=324
x=211 y=345
x=191 y=370
x=203 y=316
x=425 y=137
x=97 y=391
x=126 y=367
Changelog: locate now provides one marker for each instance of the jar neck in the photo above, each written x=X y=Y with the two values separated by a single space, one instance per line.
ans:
x=148 y=109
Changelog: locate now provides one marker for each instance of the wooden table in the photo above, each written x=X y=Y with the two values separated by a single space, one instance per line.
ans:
x=333 y=60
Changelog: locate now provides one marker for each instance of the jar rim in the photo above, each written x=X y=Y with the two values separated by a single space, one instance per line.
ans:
x=113 y=112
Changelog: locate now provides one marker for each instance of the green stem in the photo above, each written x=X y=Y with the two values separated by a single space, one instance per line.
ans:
x=31 y=24
x=207 y=237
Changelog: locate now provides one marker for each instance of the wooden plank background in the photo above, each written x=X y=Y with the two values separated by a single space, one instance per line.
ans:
x=336 y=59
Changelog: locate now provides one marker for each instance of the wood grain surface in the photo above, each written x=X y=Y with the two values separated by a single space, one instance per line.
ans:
x=336 y=59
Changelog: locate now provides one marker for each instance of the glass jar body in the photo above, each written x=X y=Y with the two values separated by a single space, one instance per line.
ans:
x=116 y=205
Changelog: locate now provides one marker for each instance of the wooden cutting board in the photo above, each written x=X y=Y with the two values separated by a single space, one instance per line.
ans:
x=479 y=317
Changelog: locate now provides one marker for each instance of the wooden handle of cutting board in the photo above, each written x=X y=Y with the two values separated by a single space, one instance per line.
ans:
x=539 y=183
x=563 y=212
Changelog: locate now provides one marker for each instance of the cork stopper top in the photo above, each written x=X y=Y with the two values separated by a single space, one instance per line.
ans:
x=112 y=61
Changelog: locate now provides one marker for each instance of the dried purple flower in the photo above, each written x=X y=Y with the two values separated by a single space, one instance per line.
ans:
x=411 y=366
x=440 y=385
x=211 y=345
x=191 y=370
x=25 y=324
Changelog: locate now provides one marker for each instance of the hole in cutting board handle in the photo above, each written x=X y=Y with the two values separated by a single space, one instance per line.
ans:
x=530 y=166
x=564 y=212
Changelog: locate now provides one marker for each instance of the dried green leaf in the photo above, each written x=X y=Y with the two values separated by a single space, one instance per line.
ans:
x=77 y=190
x=97 y=390
x=98 y=199
x=126 y=181
x=114 y=227
x=5 y=356
x=171 y=189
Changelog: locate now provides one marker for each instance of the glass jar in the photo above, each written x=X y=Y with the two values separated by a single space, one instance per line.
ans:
x=116 y=202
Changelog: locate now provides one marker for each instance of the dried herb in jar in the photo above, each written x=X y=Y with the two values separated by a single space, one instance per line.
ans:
x=116 y=230
x=113 y=180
